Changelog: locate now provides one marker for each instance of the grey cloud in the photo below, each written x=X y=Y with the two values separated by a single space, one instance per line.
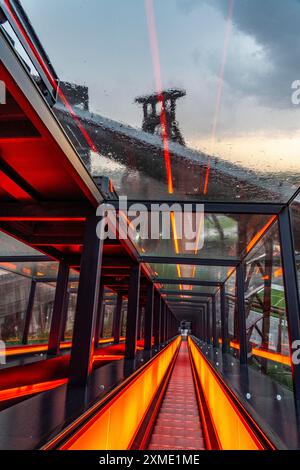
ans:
x=274 y=25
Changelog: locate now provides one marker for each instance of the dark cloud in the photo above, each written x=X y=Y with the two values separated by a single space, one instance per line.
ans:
x=274 y=25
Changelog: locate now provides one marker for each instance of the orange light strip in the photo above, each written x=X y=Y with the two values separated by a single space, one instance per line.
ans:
x=18 y=392
x=114 y=426
x=39 y=348
x=25 y=390
x=260 y=234
x=220 y=89
x=158 y=81
x=233 y=431
x=272 y=356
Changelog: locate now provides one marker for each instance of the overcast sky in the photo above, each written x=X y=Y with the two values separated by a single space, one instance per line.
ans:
x=104 y=44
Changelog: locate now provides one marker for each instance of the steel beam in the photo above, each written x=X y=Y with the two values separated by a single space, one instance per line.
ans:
x=87 y=306
x=214 y=322
x=188 y=261
x=291 y=291
x=186 y=293
x=25 y=258
x=224 y=320
x=28 y=313
x=149 y=318
x=190 y=282
x=57 y=319
x=156 y=319
x=211 y=207
x=44 y=211
x=162 y=320
x=117 y=319
x=132 y=312
x=240 y=299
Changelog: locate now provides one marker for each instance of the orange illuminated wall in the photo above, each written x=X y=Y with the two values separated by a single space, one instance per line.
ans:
x=232 y=429
x=40 y=348
x=115 y=425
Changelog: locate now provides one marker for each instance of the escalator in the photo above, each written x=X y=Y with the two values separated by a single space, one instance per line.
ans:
x=176 y=401
x=178 y=424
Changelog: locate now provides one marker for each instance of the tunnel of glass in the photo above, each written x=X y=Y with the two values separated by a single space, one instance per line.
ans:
x=71 y=303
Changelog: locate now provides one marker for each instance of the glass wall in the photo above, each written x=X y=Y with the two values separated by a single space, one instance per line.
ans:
x=266 y=321
x=72 y=300
x=110 y=301
x=124 y=318
x=42 y=313
x=295 y=218
x=218 y=314
x=231 y=311
x=14 y=295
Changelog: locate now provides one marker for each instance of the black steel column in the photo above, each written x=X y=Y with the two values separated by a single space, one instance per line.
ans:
x=65 y=316
x=117 y=319
x=162 y=321
x=290 y=290
x=28 y=313
x=156 y=319
x=224 y=320
x=168 y=334
x=87 y=305
x=149 y=318
x=214 y=322
x=132 y=312
x=240 y=299
x=100 y=316
x=58 y=309
x=165 y=323
x=208 y=323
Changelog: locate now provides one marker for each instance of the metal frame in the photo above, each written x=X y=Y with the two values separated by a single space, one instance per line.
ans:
x=212 y=207
x=116 y=330
x=132 y=312
x=291 y=289
x=149 y=318
x=189 y=261
x=57 y=319
x=89 y=307
x=189 y=282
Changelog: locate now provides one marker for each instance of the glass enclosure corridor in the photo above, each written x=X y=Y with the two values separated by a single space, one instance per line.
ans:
x=173 y=124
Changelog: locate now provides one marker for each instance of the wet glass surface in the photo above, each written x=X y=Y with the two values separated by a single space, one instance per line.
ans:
x=184 y=271
x=208 y=113
x=214 y=236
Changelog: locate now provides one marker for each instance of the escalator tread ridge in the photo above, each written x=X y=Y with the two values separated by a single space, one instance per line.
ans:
x=178 y=425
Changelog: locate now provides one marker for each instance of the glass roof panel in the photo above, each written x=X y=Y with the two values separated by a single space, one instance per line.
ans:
x=193 y=272
x=184 y=289
x=221 y=236
x=179 y=98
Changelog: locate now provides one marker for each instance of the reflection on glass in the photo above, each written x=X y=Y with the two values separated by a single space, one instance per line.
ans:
x=295 y=218
x=110 y=302
x=11 y=247
x=185 y=288
x=218 y=314
x=266 y=321
x=184 y=271
x=232 y=134
x=14 y=295
x=231 y=312
x=217 y=236
x=124 y=318
x=42 y=312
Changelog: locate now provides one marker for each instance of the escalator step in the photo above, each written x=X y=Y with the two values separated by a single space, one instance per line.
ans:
x=178 y=425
